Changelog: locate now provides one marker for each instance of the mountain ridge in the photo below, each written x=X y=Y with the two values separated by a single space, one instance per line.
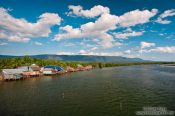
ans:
x=83 y=58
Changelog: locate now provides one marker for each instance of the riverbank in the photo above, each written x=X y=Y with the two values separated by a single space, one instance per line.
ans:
x=15 y=63
x=69 y=69
x=25 y=72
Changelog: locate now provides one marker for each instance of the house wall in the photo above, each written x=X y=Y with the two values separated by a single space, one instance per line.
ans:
x=8 y=76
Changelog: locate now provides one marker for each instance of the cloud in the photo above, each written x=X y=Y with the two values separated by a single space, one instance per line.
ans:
x=2 y=44
x=144 y=44
x=65 y=53
x=128 y=19
x=94 y=48
x=135 y=17
x=127 y=51
x=83 y=52
x=92 y=51
x=161 y=34
x=163 y=49
x=127 y=33
x=103 y=25
x=143 y=47
x=68 y=32
x=93 y=12
x=38 y=43
x=168 y=13
x=146 y=47
x=85 y=44
x=95 y=30
x=86 y=52
x=20 y=30
x=69 y=44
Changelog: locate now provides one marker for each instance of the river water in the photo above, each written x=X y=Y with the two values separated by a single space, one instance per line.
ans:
x=100 y=92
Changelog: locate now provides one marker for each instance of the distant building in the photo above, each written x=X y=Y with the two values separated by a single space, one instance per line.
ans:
x=50 y=70
x=12 y=73
x=34 y=67
x=23 y=71
x=70 y=69
x=80 y=67
x=30 y=71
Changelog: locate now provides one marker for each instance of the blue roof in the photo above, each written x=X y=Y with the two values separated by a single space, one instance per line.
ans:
x=54 y=67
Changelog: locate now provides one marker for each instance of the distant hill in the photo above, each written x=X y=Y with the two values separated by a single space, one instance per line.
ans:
x=84 y=58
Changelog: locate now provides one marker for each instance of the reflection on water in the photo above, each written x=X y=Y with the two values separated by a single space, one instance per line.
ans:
x=99 y=92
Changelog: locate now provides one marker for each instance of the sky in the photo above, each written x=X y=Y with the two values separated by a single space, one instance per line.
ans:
x=130 y=28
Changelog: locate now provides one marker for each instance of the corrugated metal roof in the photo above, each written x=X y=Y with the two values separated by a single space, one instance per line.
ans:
x=35 y=68
x=54 y=67
x=13 y=71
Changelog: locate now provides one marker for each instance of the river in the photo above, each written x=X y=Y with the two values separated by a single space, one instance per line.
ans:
x=100 y=92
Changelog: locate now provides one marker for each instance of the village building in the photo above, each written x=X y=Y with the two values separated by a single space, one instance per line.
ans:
x=51 y=70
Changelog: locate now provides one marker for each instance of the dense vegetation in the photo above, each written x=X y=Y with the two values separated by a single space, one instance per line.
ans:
x=26 y=61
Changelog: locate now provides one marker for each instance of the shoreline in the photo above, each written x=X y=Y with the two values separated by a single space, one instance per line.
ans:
x=73 y=70
x=70 y=70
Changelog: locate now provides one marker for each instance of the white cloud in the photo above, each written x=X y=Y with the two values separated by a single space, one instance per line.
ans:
x=86 y=52
x=143 y=47
x=127 y=51
x=161 y=34
x=146 y=47
x=93 y=12
x=103 y=25
x=94 y=48
x=38 y=43
x=95 y=53
x=83 y=52
x=20 y=30
x=65 y=53
x=95 y=30
x=68 y=32
x=161 y=21
x=168 y=13
x=163 y=49
x=144 y=44
x=135 y=17
x=128 y=19
x=127 y=33
x=85 y=44
x=69 y=44
x=3 y=43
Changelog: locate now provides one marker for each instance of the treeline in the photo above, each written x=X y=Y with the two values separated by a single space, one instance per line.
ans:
x=27 y=61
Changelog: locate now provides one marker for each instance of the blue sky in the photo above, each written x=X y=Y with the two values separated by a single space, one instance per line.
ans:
x=130 y=28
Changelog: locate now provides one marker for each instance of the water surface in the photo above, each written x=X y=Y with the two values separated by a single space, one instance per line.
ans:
x=99 y=92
